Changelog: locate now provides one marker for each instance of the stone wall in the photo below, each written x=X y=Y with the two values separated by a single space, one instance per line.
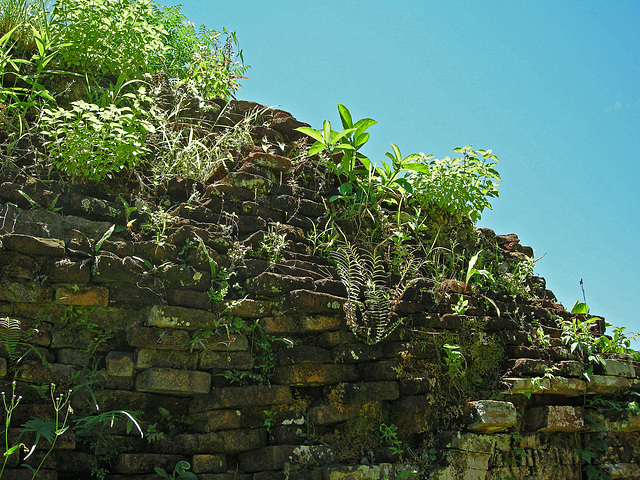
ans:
x=253 y=373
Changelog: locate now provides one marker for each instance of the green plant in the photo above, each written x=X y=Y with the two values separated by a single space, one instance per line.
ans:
x=175 y=424
x=269 y=421
x=11 y=336
x=179 y=472
x=453 y=359
x=108 y=37
x=49 y=429
x=619 y=343
x=389 y=437
x=9 y=407
x=273 y=244
x=371 y=320
x=472 y=271
x=90 y=142
x=576 y=334
x=196 y=58
x=20 y=16
x=460 y=186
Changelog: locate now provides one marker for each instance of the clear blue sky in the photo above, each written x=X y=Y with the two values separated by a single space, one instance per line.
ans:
x=553 y=87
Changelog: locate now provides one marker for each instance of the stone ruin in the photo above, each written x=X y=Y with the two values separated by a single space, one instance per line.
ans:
x=239 y=361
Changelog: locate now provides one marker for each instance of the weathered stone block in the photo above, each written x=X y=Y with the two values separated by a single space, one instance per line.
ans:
x=82 y=295
x=267 y=458
x=228 y=360
x=366 y=392
x=568 y=387
x=25 y=292
x=119 y=364
x=270 y=161
x=173 y=382
x=359 y=472
x=209 y=464
x=151 y=357
x=357 y=352
x=232 y=442
x=188 y=298
x=120 y=294
x=179 y=317
x=610 y=385
x=555 y=418
x=110 y=268
x=236 y=397
x=212 y=420
x=73 y=356
x=306 y=301
x=67 y=271
x=222 y=342
x=49 y=247
x=270 y=284
x=246 y=308
x=280 y=325
x=321 y=323
x=161 y=338
x=616 y=368
x=490 y=416
x=327 y=414
x=315 y=374
x=303 y=354
x=137 y=463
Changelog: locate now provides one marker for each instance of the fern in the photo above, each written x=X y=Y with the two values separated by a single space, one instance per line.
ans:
x=364 y=272
x=10 y=336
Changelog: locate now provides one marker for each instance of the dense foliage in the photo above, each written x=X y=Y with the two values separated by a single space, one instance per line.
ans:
x=77 y=72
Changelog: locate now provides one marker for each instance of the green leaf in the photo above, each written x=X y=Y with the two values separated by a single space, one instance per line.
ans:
x=326 y=127
x=162 y=473
x=316 y=148
x=345 y=116
x=340 y=135
x=315 y=134
x=580 y=308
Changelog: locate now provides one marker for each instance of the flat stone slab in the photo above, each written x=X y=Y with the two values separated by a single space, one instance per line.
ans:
x=490 y=416
x=173 y=382
x=236 y=397
x=555 y=418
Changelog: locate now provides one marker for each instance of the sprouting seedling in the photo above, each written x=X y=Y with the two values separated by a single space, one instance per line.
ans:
x=471 y=271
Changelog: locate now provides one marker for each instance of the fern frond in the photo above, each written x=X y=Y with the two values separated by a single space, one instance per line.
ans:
x=10 y=335
x=350 y=269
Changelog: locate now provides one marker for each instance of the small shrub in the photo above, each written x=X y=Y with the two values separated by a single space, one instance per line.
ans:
x=91 y=142
x=108 y=37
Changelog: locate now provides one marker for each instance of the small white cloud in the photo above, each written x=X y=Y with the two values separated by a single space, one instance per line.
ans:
x=615 y=106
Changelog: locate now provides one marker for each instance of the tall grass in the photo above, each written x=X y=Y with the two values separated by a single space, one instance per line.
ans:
x=22 y=14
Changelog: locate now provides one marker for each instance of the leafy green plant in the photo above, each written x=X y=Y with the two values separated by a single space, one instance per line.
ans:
x=389 y=437
x=577 y=334
x=453 y=359
x=49 y=429
x=108 y=37
x=175 y=424
x=179 y=472
x=472 y=271
x=371 y=320
x=90 y=142
x=196 y=57
x=461 y=186
x=273 y=244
